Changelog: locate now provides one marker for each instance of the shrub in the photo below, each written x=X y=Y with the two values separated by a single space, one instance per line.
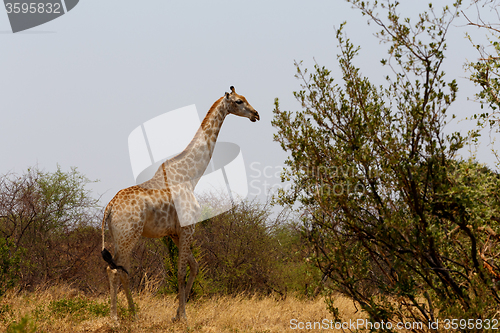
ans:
x=46 y=224
x=9 y=264
x=245 y=250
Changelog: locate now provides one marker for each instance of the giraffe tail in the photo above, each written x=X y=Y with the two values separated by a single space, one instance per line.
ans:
x=109 y=259
x=106 y=255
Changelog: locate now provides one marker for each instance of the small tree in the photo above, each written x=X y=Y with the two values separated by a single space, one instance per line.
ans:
x=397 y=222
x=46 y=215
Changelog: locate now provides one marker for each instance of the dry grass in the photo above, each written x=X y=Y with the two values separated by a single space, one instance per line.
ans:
x=64 y=310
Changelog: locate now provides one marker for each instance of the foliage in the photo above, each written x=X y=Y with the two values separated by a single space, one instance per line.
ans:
x=245 y=250
x=171 y=268
x=49 y=235
x=485 y=73
x=241 y=250
x=45 y=220
x=485 y=70
x=9 y=265
x=398 y=223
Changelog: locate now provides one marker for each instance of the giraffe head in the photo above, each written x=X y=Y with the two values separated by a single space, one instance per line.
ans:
x=239 y=106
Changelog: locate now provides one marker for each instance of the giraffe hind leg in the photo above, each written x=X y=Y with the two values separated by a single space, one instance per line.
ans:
x=113 y=289
x=117 y=273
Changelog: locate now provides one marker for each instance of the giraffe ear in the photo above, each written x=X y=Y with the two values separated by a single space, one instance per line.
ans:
x=232 y=89
x=227 y=95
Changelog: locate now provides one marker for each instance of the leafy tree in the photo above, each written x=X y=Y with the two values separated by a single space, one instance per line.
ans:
x=45 y=216
x=397 y=221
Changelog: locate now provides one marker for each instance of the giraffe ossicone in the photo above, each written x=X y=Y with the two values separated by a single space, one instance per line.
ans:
x=165 y=205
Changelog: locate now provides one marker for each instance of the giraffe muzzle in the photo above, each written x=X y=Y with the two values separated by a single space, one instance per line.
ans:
x=255 y=117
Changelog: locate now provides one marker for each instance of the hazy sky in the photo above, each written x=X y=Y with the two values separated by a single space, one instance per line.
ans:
x=73 y=89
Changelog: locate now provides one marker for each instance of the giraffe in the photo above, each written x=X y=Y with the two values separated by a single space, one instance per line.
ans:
x=165 y=205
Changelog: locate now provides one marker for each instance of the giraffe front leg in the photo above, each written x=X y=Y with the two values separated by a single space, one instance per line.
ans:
x=181 y=280
x=193 y=264
x=193 y=272
x=188 y=211
x=184 y=244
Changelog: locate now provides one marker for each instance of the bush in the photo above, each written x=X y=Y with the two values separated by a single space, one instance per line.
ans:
x=240 y=250
x=46 y=225
x=9 y=264
x=245 y=250
x=50 y=234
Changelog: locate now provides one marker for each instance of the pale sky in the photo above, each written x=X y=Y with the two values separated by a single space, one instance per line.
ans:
x=73 y=89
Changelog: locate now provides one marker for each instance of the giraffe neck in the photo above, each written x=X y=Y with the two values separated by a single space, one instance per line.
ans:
x=190 y=165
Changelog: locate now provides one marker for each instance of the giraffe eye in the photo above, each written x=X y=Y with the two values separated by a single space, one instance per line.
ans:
x=239 y=101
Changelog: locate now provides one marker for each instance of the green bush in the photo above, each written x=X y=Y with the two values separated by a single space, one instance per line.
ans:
x=171 y=285
x=50 y=217
x=245 y=249
x=10 y=259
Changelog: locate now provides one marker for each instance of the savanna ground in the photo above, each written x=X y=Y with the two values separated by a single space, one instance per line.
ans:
x=62 y=309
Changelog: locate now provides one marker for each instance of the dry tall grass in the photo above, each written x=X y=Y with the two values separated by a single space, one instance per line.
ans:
x=64 y=310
